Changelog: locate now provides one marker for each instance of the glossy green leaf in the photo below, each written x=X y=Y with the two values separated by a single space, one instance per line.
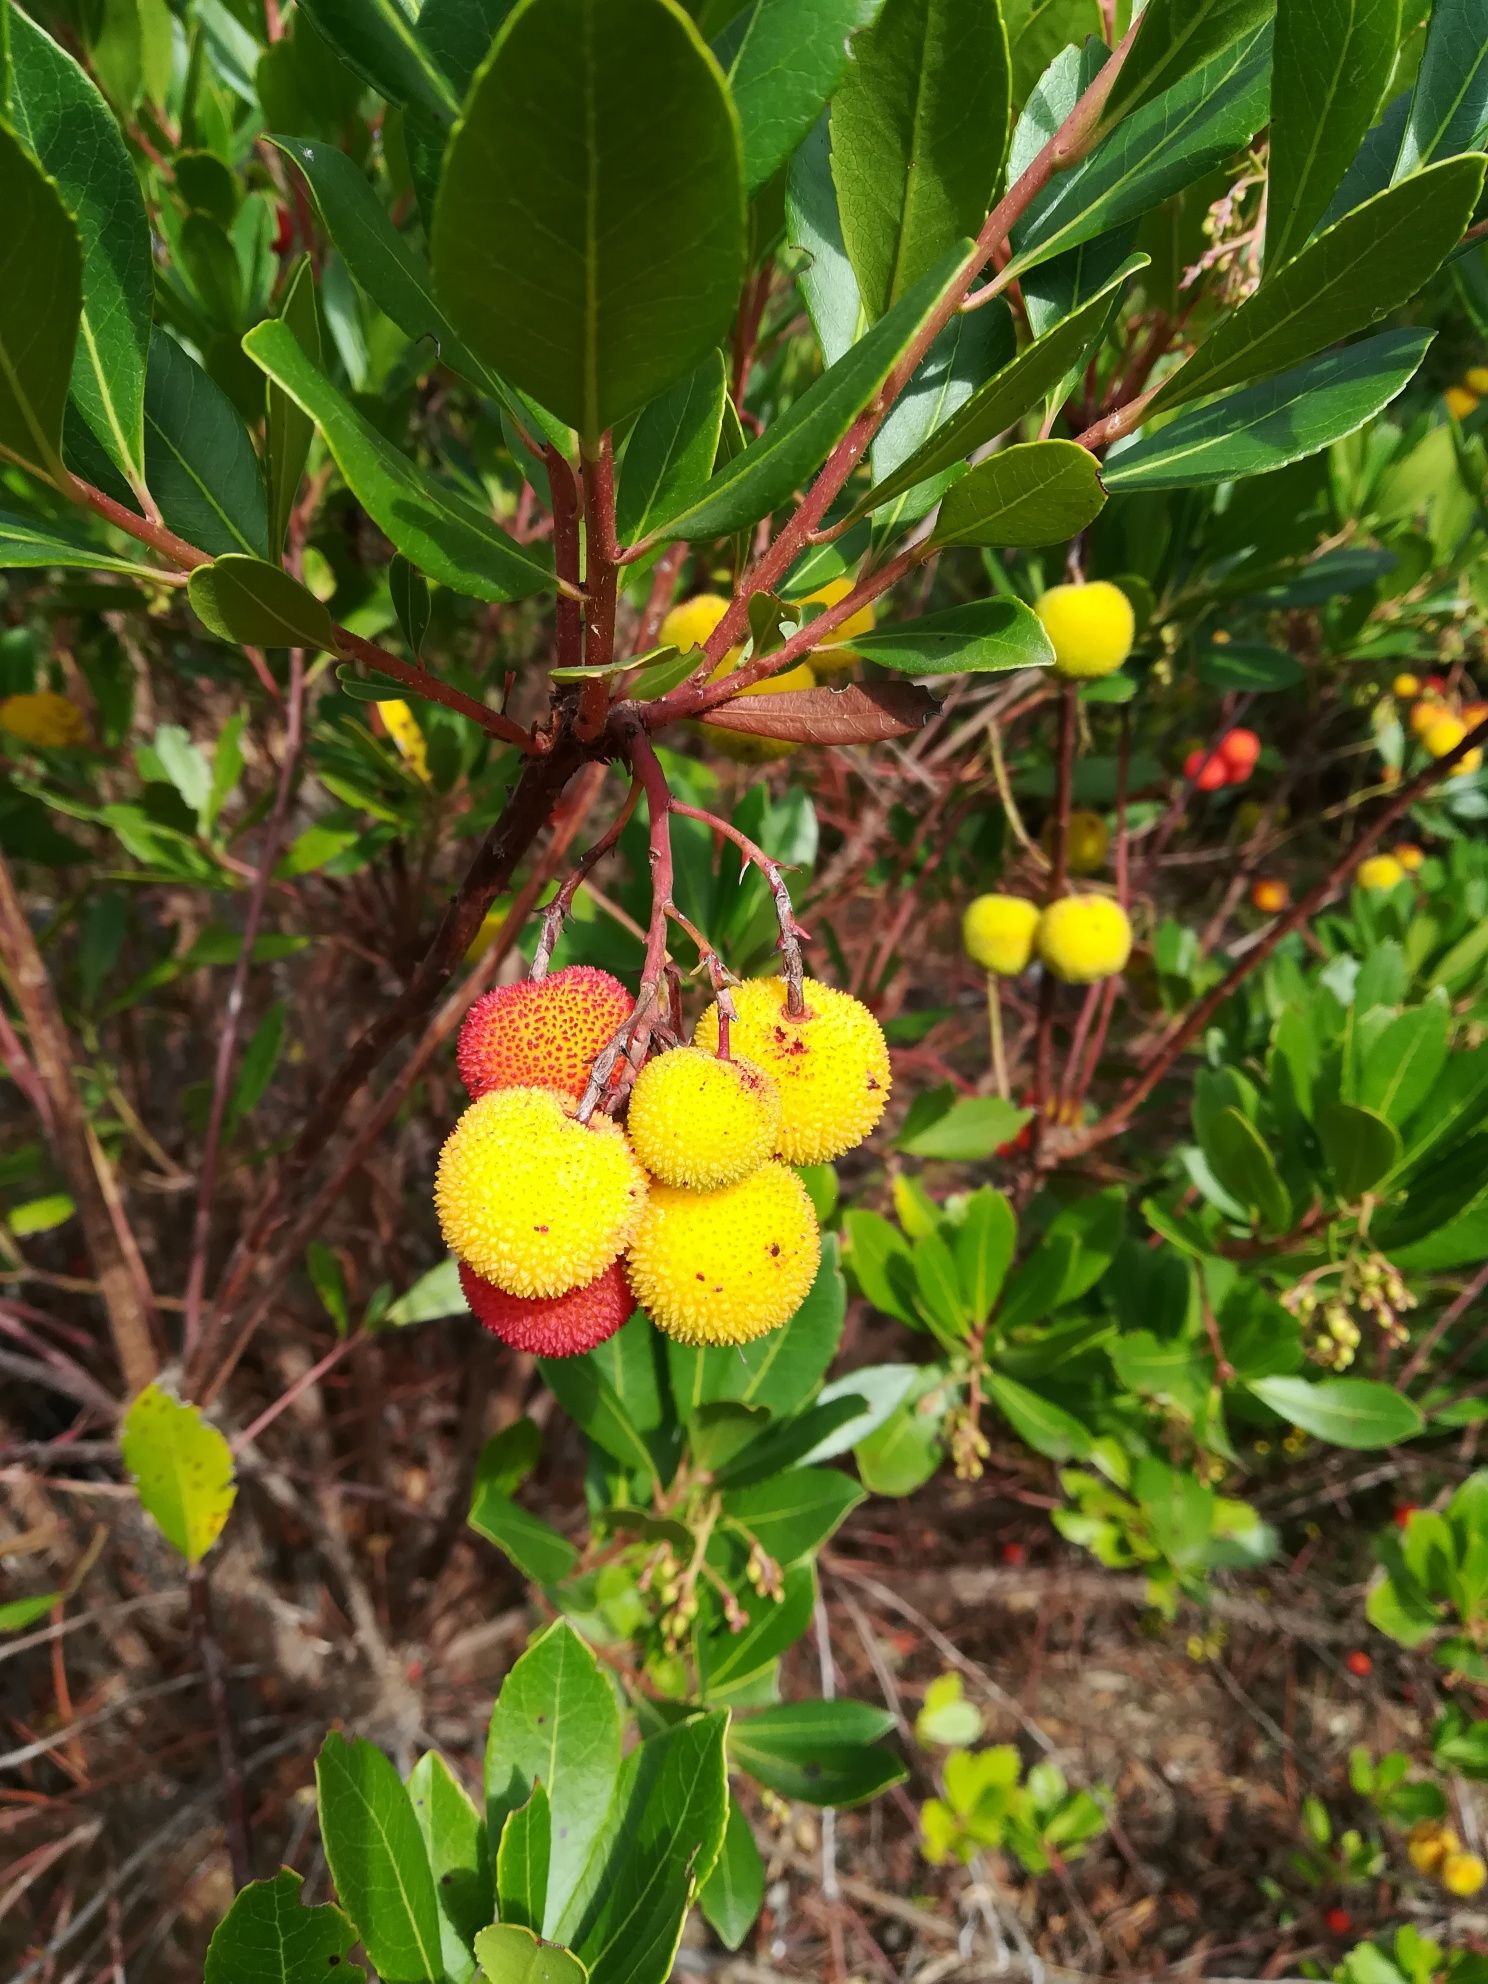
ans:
x=199 y=462
x=27 y=546
x=671 y=451
x=1175 y=38
x=822 y=1752
x=730 y=1664
x=1360 y=1145
x=1046 y=1427
x=377 y=39
x=1403 y=1064
x=1007 y=396
x=1036 y=492
x=458 y=34
x=1241 y=1159
x=455 y=1839
x=509 y=1954
x=732 y=1895
x=378 y=1860
x=1346 y=1412
x=183 y=1469
x=903 y=1452
x=288 y=429
x=793 y=1514
x=983 y=638
x=534 y=1546
x=1333 y=64
x=58 y=114
x=269 y=1937
x=793 y=447
x=1281 y=420
x=255 y=604
x=1449 y=105
x=523 y=1860
x=968 y=352
x=555 y=1723
x=828 y=287
x=1369 y=263
x=1254 y=671
x=782 y=60
x=437 y=528
x=965 y=1128
x=597 y=142
x=983 y=1245
x=40 y=309
x=919 y=131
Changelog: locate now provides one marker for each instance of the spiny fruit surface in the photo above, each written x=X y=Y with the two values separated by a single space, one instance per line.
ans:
x=532 y=1199
x=1083 y=938
x=835 y=655
x=1091 y=627
x=1380 y=871
x=43 y=717
x=555 y=1325
x=540 y=1033
x=691 y=621
x=700 y=1122
x=831 y=1066
x=725 y=1266
x=997 y=933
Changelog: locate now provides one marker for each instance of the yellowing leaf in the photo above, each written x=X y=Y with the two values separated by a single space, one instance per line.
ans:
x=183 y=1469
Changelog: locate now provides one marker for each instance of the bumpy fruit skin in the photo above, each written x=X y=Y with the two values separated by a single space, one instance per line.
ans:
x=997 y=933
x=832 y=1066
x=1380 y=871
x=1409 y=856
x=1428 y=1843
x=835 y=655
x=1463 y=1874
x=739 y=745
x=1087 y=842
x=1083 y=938
x=726 y=1266
x=1091 y=627
x=43 y=717
x=556 y=1326
x=1405 y=686
x=540 y=1033
x=700 y=1122
x=690 y=623
x=1444 y=734
x=532 y=1199
x=1270 y=896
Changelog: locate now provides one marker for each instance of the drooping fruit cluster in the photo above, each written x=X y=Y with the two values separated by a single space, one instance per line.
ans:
x=1436 y=1851
x=1439 y=722
x=1079 y=938
x=1230 y=761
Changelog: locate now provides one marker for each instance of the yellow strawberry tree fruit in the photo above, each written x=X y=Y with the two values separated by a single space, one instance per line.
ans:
x=1444 y=734
x=1091 y=628
x=532 y=1199
x=690 y=622
x=1463 y=1874
x=43 y=717
x=700 y=1122
x=726 y=1266
x=831 y=1065
x=1380 y=871
x=997 y=933
x=835 y=655
x=1083 y=938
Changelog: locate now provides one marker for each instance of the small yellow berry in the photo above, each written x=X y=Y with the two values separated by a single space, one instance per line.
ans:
x=1087 y=841
x=689 y=624
x=1406 y=686
x=831 y=1066
x=1460 y=402
x=1463 y=1874
x=1409 y=856
x=1083 y=938
x=1270 y=896
x=1475 y=378
x=1091 y=627
x=533 y=1200
x=1380 y=871
x=1428 y=1843
x=1429 y=710
x=700 y=1122
x=726 y=1266
x=997 y=933
x=45 y=718
x=1444 y=735
x=835 y=655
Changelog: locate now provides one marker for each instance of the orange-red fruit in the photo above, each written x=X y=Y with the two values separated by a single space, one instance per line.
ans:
x=540 y=1033
x=1207 y=770
x=1270 y=895
x=1403 y=1514
x=553 y=1326
x=1359 y=1664
x=1339 y=1922
x=1239 y=748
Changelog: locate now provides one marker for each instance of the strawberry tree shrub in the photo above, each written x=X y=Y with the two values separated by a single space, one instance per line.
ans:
x=739 y=665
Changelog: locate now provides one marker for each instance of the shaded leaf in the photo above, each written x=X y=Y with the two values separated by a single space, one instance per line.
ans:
x=255 y=604
x=1333 y=64
x=199 y=462
x=858 y=713
x=782 y=61
x=1346 y=1412
x=40 y=309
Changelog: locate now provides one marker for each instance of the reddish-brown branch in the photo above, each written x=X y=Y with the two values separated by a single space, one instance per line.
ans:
x=601 y=553
x=557 y=910
x=569 y=619
x=792 y=965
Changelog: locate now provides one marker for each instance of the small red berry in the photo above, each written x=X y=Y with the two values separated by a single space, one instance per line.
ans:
x=1013 y=1553
x=1404 y=1513
x=1436 y=683
x=1358 y=1663
x=1239 y=748
x=1338 y=1921
x=1206 y=769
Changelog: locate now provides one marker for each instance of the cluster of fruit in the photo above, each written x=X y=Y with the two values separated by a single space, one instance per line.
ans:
x=689 y=1208
x=1229 y=761
x=1438 y=722
x=1462 y=398
x=1078 y=938
x=1436 y=1851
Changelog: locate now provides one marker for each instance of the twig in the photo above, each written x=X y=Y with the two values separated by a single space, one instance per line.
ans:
x=209 y=1653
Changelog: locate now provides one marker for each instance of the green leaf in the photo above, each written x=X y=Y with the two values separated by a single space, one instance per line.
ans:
x=1403 y=1063
x=18 y=1613
x=1254 y=671
x=986 y=637
x=663 y=1838
x=730 y=1664
x=1175 y=37
x=590 y=1400
x=378 y=1860
x=828 y=287
x=27 y=546
x=1037 y=492
x=1361 y=1147
x=534 y=1546
x=782 y=62
x=732 y=1895
x=823 y=1752
x=972 y=1128
x=919 y=132
x=509 y=1954
x=780 y=1371
x=1285 y=419
x=1046 y=1427
x=58 y=114
x=40 y=309
x=254 y=604
x=269 y=1937
x=376 y=38
x=903 y=1452
x=256 y=1069
x=983 y=1244
x=1009 y=394
x=438 y=529
x=1449 y=106
x=598 y=141
x=183 y=1469
x=1241 y=1160
x=288 y=429
x=199 y=462
x=1332 y=68
x=793 y=1514
x=522 y=1863
x=555 y=1723
x=1346 y=1412
x=671 y=450
x=1371 y=262
x=967 y=353
x=454 y=1836
x=795 y=444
